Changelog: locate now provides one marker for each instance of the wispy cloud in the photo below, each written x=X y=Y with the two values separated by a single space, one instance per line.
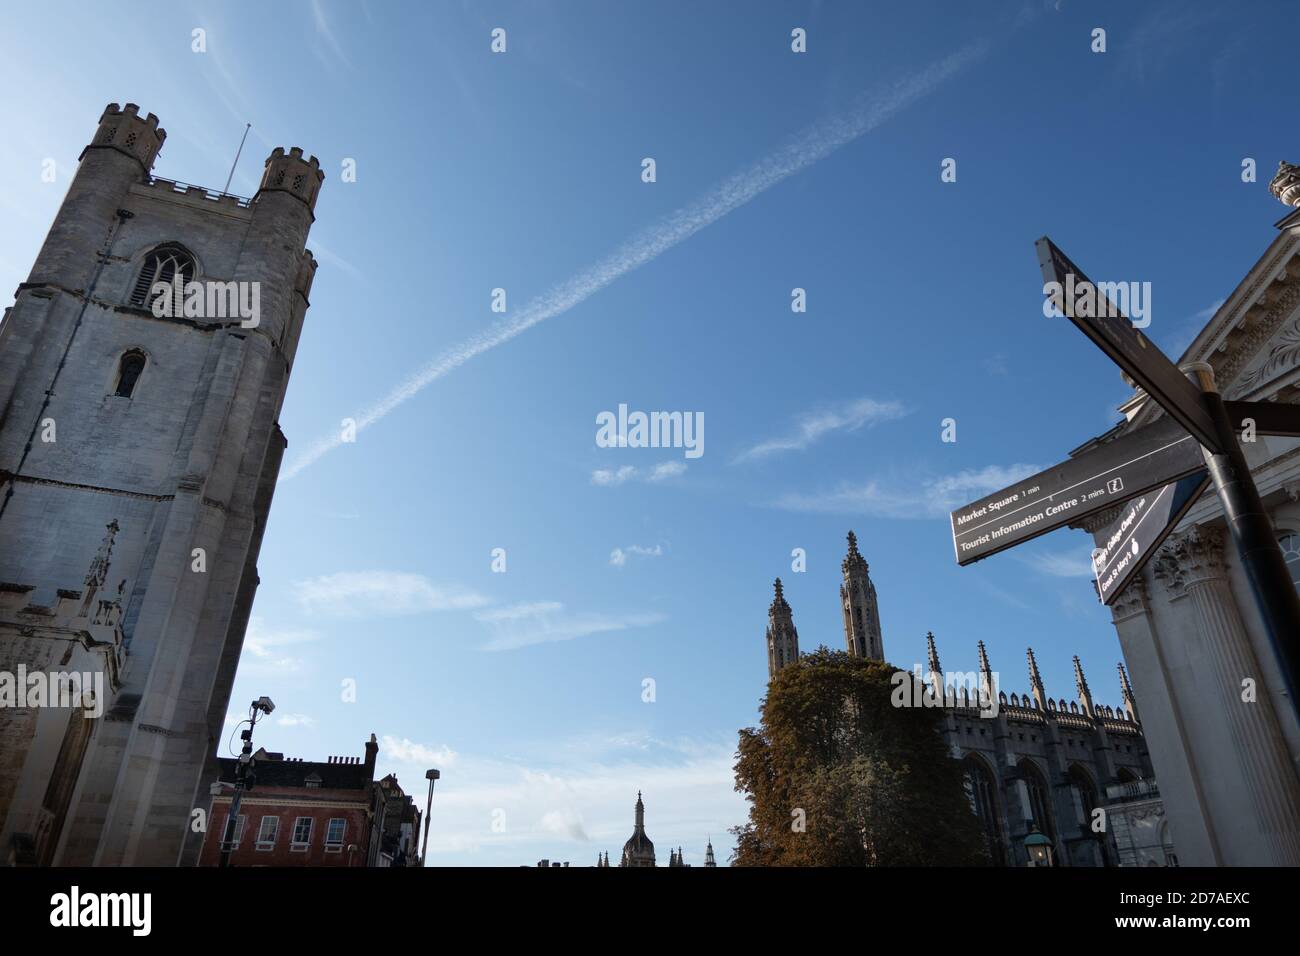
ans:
x=618 y=557
x=353 y=594
x=264 y=647
x=295 y=720
x=408 y=751
x=613 y=477
x=577 y=796
x=1063 y=564
x=805 y=148
x=814 y=425
x=924 y=498
x=565 y=823
x=325 y=30
x=544 y=622
x=1185 y=332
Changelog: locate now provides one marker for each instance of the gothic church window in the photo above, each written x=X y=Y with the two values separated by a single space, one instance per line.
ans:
x=980 y=791
x=1039 y=806
x=128 y=373
x=165 y=264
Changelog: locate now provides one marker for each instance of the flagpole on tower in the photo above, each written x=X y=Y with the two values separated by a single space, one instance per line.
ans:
x=247 y=127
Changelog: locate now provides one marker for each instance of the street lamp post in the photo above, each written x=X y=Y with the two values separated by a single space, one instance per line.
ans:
x=1039 y=847
x=431 y=776
x=263 y=705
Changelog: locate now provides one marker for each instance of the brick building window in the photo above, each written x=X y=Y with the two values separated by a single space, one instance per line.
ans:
x=267 y=832
x=301 y=833
x=239 y=831
x=334 y=835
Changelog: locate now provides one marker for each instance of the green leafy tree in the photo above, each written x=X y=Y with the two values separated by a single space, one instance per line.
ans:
x=836 y=775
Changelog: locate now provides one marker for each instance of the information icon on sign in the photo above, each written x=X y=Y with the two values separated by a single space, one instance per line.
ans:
x=1114 y=485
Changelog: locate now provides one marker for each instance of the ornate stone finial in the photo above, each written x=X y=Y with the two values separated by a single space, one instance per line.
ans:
x=933 y=652
x=984 y=659
x=98 y=572
x=1286 y=184
x=780 y=598
x=1034 y=677
x=1081 y=683
x=1126 y=691
x=854 y=561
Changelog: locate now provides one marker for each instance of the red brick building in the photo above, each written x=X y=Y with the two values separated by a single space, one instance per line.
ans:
x=306 y=813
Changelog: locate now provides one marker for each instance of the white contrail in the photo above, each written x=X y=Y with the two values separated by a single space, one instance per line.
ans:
x=810 y=145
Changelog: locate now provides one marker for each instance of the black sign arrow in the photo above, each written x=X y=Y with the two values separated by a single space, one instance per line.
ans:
x=1144 y=522
x=1101 y=478
x=1113 y=333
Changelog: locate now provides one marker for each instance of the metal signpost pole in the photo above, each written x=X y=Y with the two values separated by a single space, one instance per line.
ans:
x=1252 y=532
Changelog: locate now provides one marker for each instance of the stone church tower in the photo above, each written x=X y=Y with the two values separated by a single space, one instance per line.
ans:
x=861 y=613
x=782 y=638
x=138 y=456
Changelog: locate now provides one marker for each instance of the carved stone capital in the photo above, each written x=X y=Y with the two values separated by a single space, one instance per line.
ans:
x=1189 y=558
x=1132 y=601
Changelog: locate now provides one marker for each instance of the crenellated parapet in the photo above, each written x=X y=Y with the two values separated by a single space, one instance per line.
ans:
x=123 y=129
x=291 y=173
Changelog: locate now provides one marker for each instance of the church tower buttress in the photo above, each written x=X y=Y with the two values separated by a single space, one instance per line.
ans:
x=861 y=613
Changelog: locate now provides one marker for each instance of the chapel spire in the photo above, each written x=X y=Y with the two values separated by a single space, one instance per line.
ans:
x=858 y=601
x=782 y=637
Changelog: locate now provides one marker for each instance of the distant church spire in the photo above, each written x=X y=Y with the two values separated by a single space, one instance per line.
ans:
x=1036 y=682
x=1081 y=682
x=638 y=850
x=858 y=600
x=782 y=638
x=1126 y=689
x=708 y=854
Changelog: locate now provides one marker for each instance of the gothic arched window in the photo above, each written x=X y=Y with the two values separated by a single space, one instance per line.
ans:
x=1290 y=542
x=128 y=373
x=982 y=793
x=1082 y=783
x=165 y=264
x=1040 y=812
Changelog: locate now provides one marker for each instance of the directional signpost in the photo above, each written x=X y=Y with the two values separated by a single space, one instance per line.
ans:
x=1075 y=489
x=1154 y=474
x=1131 y=540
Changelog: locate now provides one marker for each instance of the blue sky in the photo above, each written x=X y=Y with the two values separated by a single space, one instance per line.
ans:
x=775 y=170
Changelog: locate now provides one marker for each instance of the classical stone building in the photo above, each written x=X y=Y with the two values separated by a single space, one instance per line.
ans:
x=1222 y=731
x=139 y=449
x=639 y=850
x=1033 y=762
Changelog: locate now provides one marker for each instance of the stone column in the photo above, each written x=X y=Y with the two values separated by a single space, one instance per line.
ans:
x=1192 y=563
